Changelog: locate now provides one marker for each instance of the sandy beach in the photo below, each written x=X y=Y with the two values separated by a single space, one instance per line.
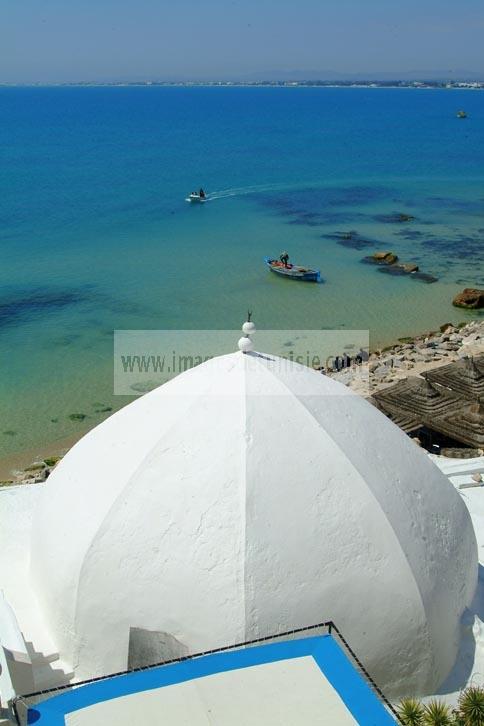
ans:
x=12 y=468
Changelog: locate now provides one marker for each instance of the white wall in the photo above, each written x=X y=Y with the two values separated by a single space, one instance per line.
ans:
x=238 y=500
x=15 y=667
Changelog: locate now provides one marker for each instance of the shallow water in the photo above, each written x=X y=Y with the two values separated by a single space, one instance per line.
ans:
x=95 y=234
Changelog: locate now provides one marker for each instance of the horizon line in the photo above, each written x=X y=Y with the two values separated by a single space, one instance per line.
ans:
x=263 y=81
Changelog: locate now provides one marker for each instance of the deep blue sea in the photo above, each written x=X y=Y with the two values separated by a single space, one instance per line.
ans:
x=95 y=233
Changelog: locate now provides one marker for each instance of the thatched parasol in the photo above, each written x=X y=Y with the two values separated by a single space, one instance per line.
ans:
x=465 y=425
x=406 y=422
x=418 y=397
x=465 y=376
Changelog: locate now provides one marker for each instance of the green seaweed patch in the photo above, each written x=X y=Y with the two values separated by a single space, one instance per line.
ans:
x=6 y=482
x=405 y=339
x=51 y=460
x=10 y=433
x=77 y=416
x=54 y=420
x=35 y=467
x=105 y=409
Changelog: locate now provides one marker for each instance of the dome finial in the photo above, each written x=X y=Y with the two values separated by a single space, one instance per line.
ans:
x=245 y=343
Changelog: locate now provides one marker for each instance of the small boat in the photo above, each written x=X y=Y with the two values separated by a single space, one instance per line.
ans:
x=196 y=198
x=294 y=272
x=461 y=114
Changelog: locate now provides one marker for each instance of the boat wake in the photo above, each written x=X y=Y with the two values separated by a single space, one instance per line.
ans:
x=244 y=191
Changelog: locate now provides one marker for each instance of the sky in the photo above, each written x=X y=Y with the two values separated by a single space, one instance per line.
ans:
x=108 y=40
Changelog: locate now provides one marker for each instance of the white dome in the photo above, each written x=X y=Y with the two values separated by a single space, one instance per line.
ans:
x=246 y=496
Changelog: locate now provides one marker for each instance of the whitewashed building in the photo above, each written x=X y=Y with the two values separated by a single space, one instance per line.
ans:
x=246 y=496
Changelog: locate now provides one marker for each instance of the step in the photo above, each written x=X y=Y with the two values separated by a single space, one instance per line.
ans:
x=47 y=677
x=42 y=658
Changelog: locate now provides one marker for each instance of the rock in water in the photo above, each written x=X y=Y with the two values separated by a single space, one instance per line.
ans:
x=381 y=258
x=469 y=298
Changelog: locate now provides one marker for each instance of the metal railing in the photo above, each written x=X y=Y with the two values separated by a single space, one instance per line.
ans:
x=21 y=704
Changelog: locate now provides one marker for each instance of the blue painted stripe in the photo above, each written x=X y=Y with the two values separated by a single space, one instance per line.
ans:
x=349 y=684
x=354 y=691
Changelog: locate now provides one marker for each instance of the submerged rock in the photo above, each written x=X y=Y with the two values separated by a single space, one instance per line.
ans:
x=399 y=270
x=144 y=387
x=471 y=298
x=304 y=220
x=351 y=240
x=397 y=217
x=77 y=416
x=424 y=277
x=410 y=234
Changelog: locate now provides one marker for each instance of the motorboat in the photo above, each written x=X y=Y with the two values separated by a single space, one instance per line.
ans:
x=196 y=198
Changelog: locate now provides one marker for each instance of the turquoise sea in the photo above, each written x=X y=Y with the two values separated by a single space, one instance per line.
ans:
x=95 y=234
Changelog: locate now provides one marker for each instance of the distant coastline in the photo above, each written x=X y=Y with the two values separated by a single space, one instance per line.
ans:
x=424 y=84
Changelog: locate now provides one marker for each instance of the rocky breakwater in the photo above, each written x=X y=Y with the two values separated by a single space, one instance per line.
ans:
x=412 y=356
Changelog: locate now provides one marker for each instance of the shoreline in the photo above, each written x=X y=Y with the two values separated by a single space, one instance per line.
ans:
x=14 y=466
x=413 y=356
x=408 y=356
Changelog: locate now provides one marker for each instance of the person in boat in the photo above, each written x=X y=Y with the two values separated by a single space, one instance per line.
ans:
x=284 y=258
x=201 y=193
